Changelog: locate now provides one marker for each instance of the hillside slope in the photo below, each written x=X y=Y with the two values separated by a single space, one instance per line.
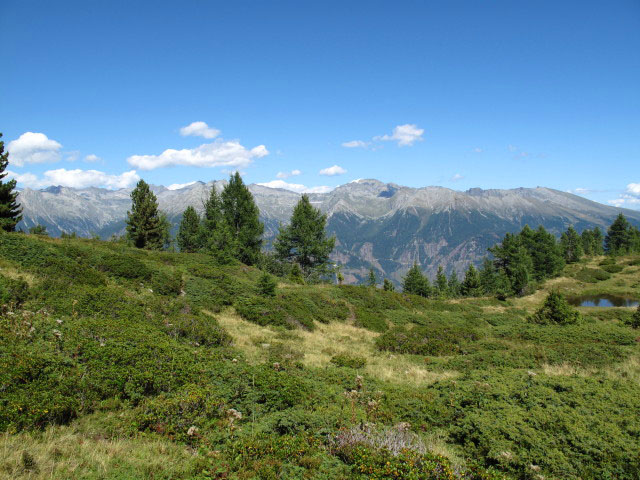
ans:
x=384 y=226
x=136 y=364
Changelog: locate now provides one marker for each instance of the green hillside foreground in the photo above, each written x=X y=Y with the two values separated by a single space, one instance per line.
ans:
x=125 y=364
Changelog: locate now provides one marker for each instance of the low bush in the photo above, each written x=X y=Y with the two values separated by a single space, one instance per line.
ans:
x=613 y=268
x=432 y=340
x=556 y=310
x=13 y=291
x=167 y=283
x=348 y=360
x=124 y=267
x=592 y=275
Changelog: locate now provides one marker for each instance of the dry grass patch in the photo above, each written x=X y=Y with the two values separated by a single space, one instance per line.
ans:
x=326 y=341
x=65 y=453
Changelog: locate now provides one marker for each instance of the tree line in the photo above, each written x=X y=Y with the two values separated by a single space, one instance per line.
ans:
x=522 y=260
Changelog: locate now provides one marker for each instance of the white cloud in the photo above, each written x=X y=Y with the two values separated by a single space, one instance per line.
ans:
x=457 y=177
x=580 y=191
x=406 y=135
x=92 y=158
x=33 y=147
x=617 y=202
x=633 y=189
x=478 y=150
x=178 y=186
x=296 y=187
x=77 y=179
x=199 y=129
x=355 y=144
x=292 y=173
x=331 y=171
x=217 y=154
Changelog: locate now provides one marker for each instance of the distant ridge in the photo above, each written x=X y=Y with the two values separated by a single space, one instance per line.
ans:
x=381 y=225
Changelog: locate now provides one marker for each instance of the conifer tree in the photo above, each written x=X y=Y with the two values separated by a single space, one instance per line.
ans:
x=388 y=286
x=514 y=260
x=453 y=286
x=188 y=237
x=618 y=239
x=241 y=214
x=442 y=289
x=10 y=211
x=488 y=277
x=416 y=283
x=598 y=241
x=546 y=255
x=571 y=245
x=371 y=280
x=215 y=235
x=296 y=274
x=147 y=227
x=304 y=241
x=556 y=311
x=471 y=286
x=267 y=285
x=587 y=242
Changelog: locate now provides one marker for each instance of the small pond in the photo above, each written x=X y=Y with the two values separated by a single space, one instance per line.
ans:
x=602 y=300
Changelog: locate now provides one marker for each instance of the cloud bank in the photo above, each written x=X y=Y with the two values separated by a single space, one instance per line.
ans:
x=33 y=147
x=76 y=178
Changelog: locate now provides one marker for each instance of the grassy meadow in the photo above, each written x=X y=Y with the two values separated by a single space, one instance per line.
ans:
x=119 y=363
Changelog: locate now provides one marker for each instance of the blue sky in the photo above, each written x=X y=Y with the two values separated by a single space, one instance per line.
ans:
x=491 y=94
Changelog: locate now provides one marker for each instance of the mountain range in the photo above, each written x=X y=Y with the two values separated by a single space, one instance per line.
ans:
x=380 y=225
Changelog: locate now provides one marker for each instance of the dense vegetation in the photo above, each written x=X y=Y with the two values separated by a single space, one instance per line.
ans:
x=118 y=362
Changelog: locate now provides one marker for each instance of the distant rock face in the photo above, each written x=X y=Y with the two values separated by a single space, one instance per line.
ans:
x=377 y=225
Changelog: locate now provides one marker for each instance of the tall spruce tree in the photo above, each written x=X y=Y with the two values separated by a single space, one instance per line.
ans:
x=453 y=285
x=471 y=285
x=416 y=283
x=188 y=237
x=372 y=281
x=147 y=227
x=619 y=237
x=304 y=241
x=10 y=211
x=440 y=285
x=387 y=285
x=571 y=245
x=546 y=255
x=514 y=260
x=597 y=238
x=488 y=277
x=215 y=235
x=587 y=242
x=241 y=214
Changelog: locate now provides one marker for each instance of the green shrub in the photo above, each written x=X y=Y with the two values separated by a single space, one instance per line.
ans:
x=167 y=284
x=635 y=319
x=267 y=285
x=592 y=275
x=13 y=291
x=613 y=268
x=199 y=329
x=347 y=360
x=556 y=310
x=608 y=261
x=432 y=340
x=124 y=267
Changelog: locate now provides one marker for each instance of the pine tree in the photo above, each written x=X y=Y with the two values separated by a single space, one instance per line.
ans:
x=214 y=234
x=39 y=230
x=267 y=285
x=188 y=237
x=10 y=211
x=296 y=274
x=388 y=286
x=371 y=280
x=442 y=289
x=147 y=227
x=514 y=260
x=416 y=283
x=546 y=255
x=304 y=241
x=618 y=239
x=488 y=277
x=471 y=286
x=241 y=214
x=587 y=242
x=453 y=286
x=598 y=241
x=571 y=246
x=556 y=311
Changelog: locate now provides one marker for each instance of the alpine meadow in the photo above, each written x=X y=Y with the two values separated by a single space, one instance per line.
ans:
x=201 y=277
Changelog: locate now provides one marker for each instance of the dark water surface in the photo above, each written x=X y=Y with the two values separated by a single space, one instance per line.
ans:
x=602 y=300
